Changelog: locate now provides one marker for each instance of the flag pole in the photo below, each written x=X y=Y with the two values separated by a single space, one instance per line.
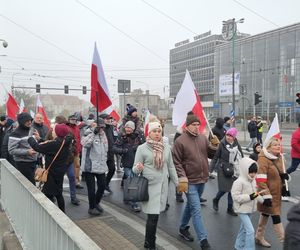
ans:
x=209 y=128
x=284 y=171
x=97 y=108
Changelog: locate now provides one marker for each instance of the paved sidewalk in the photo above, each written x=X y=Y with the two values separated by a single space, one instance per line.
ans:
x=116 y=228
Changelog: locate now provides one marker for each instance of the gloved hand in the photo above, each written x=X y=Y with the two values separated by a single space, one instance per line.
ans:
x=267 y=202
x=253 y=196
x=96 y=130
x=284 y=176
x=182 y=185
x=214 y=140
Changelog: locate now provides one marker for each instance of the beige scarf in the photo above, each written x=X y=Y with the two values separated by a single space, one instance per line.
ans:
x=158 y=152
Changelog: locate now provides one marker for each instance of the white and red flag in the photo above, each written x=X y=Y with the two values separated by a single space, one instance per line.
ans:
x=274 y=130
x=113 y=113
x=187 y=100
x=40 y=109
x=99 y=89
x=12 y=107
x=146 y=123
x=22 y=107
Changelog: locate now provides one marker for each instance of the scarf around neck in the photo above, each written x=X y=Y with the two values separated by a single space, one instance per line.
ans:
x=158 y=152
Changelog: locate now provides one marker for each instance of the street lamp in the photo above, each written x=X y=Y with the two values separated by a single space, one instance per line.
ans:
x=229 y=33
x=4 y=43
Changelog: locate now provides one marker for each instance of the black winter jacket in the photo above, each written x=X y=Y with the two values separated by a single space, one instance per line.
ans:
x=252 y=129
x=126 y=145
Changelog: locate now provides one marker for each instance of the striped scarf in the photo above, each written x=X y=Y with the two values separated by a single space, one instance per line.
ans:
x=158 y=152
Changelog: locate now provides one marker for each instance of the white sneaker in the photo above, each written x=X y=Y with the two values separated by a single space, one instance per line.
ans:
x=285 y=198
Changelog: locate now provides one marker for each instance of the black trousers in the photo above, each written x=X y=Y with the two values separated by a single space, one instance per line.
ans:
x=151 y=226
x=27 y=169
x=93 y=195
x=60 y=200
x=111 y=169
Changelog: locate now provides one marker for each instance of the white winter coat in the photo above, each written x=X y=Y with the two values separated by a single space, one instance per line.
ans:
x=242 y=188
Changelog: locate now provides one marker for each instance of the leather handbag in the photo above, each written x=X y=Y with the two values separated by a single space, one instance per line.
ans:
x=41 y=174
x=136 y=188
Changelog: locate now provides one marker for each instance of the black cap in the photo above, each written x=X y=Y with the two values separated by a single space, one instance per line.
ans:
x=105 y=116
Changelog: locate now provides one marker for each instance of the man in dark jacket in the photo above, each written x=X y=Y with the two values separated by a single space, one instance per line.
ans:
x=126 y=145
x=190 y=153
x=24 y=156
x=38 y=124
x=2 y=129
x=252 y=129
x=109 y=132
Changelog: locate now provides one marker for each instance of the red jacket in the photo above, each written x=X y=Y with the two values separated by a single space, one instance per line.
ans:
x=295 y=143
x=76 y=132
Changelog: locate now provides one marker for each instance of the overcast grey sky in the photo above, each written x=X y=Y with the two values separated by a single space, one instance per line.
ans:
x=55 y=39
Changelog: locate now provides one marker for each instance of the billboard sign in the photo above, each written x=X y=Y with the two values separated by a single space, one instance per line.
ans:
x=225 y=84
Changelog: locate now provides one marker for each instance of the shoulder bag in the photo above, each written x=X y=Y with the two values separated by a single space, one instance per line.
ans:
x=136 y=188
x=41 y=174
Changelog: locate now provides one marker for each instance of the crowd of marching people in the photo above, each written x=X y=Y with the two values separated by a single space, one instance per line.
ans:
x=91 y=150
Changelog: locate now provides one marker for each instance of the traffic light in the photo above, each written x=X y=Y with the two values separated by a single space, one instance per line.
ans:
x=257 y=98
x=84 y=90
x=66 y=89
x=38 y=88
x=298 y=99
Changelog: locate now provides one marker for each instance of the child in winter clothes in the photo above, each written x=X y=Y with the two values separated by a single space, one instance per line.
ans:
x=256 y=151
x=244 y=201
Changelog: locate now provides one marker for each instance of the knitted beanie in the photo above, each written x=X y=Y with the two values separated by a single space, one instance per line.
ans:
x=130 y=124
x=191 y=118
x=154 y=125
x=61 y=130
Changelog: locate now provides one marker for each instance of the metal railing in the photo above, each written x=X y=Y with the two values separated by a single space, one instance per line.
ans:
x=38 y=223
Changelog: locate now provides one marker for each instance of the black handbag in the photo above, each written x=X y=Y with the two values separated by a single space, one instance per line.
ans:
x=228 y=169
x=136 y=189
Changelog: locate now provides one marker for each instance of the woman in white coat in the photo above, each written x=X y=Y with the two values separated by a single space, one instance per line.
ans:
x=154 y=160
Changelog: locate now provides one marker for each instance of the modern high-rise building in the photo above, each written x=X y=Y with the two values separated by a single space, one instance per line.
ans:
x=266 y=63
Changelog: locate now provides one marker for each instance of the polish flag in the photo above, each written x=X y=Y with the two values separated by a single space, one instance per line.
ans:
x=274 y=130
x=12 y=107
x=113 y=113
x=146 y=123
x=22 y=107
x=40 y=109
x=98 y=84
x=187 y=100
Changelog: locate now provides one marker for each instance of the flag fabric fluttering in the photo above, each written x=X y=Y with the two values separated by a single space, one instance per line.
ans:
x=22 y=107
x=12 y=107
x=187 y=99
x=274 y=130
x=146 y=123
x=99 y=89
x=31 y=113
x=40 y=109
x=113 y=113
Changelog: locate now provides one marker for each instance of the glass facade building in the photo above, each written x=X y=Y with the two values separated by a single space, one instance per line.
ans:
x=267 y=63
x=198 y=58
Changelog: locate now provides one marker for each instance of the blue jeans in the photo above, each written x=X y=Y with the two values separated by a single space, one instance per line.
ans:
x=229 y=198
x=72 y=180
x=245 y=237
x=294 y=165
x=193 y=209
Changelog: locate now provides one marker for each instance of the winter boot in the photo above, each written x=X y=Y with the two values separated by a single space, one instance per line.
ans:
x=260 y=232
x=279 y=230
x=151 y=226
x=216 y=204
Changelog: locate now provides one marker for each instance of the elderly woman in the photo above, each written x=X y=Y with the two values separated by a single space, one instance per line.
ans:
x=270 y=178
x=54 y=185
x=154 y=160
x=227 y=156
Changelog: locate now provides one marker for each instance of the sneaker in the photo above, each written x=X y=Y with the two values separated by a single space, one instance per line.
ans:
x=107 y=188
x=285 y=198
x=94 y=211
x=185 y=234
x=204 y=245
x=231 y=212
x=202 y=200
x=78 y=186
x=211 y=176
x=215 y=204
x=75 y=201
x=135 y=208
x=99 y=208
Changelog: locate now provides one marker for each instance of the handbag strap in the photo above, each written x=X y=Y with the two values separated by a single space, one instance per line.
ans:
x=61 y=146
